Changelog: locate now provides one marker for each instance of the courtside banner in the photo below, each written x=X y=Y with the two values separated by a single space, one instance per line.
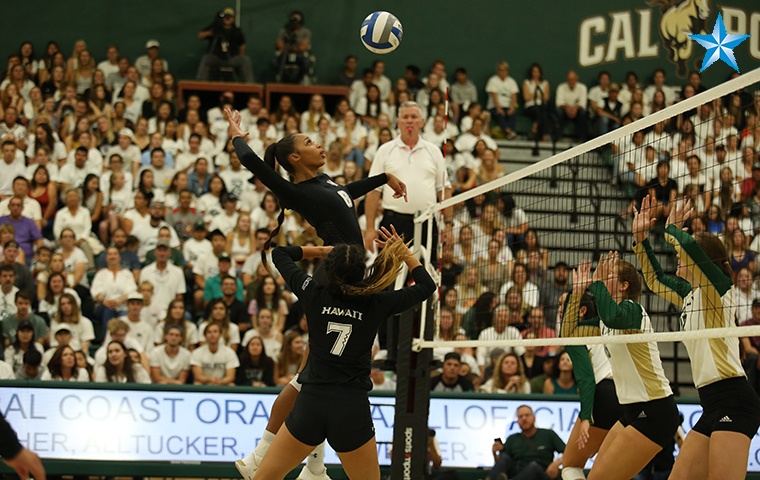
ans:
x=213 y=426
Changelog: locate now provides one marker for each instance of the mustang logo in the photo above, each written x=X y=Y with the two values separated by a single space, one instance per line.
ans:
x=678 y=20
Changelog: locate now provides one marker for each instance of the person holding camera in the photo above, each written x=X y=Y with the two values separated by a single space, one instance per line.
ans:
x=292 y=60
x=226 y=47
x=529 y=454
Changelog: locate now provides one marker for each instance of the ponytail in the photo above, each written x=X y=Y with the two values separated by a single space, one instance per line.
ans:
x=344 y=267
x=274 y=154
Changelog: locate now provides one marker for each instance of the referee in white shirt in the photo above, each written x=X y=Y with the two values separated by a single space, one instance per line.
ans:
x=420 y=165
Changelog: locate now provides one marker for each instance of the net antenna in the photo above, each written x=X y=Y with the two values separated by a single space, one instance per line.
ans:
x=694 y=102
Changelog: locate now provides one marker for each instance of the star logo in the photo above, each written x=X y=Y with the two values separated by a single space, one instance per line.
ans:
x=720 y=45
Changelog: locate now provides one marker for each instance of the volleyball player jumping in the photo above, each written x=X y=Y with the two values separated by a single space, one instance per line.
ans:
x=327 y=206
x=343 y=315
x=600 y=409
x=650 y=416
x=717 y=447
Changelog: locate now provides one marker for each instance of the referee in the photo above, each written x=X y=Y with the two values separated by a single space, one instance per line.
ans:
x=22 y=460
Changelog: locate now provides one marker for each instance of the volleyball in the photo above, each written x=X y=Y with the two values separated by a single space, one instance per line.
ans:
x=381 y=32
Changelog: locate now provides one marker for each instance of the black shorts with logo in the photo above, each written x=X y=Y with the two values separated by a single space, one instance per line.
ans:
x=657 y=420
x=607 y=409
x=339 y=414
x=729 y=405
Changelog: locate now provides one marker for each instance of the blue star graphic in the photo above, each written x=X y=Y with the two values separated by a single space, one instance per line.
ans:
x=720 y=45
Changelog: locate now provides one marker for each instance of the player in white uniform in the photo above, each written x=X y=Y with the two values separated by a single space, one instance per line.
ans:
x=650 y=416
x=717 y=447
x=600 y=408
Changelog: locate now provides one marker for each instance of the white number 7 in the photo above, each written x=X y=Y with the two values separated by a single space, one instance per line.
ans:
x=344 y=331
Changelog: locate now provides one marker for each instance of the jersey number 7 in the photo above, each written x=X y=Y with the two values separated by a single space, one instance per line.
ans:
x=344 y=332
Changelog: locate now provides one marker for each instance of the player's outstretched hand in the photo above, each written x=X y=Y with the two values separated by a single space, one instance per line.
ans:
x=682 y=211
x=387 y=237
x=398 y=187
x=27 y=463
x=643 y=219
x=582 y=277
x=234 y=120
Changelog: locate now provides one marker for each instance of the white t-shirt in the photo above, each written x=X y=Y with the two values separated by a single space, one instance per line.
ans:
x=191 y=333
x=170 y=367
x=223 y=222
x=31 y=208
x=82 y=331
x=193 y=249
x=141 y=376
x=233 y=330
x=271 y=345
x=82 y=376
x=210 y=206
x=101 y=355
x=214 y=364
x=207 y=265
x=504 y=89
x=113 y=287
x=76 y=257
x=236 y=181
x=167 y=283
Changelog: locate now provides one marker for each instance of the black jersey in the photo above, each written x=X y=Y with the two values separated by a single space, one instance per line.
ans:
x=329 y=207
x=342 y=329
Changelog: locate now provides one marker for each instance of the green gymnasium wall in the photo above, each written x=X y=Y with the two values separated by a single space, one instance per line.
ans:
x=617 y=35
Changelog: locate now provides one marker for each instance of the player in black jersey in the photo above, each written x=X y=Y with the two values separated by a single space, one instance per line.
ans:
x=329 y=207
x=326 y=205
x=343 y=317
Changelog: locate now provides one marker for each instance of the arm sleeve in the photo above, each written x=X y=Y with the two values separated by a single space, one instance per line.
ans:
x=9 y=444
x=671 y=289
x=284 y=259
x=407 y=297
x=706 y=272
x=625 y=316
x=360 y=188
x=584 y=375
x=285 y=190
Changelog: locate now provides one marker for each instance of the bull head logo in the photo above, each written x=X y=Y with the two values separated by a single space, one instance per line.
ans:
x=677 y=21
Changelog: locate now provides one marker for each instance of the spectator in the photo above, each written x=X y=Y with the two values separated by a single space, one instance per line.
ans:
x=10 y=166
x=148 y=233
x=229 y=332
x=501 y=330
x=62 y=367
x=184 y=218
x=751 y=346
x=198 y=245
x=536 y=92
x=230 y=291
x=176 y=316
x=263 y=328
x=268 y=295
x=6 y=371
x=598 y=93
x=450 y=267
x=290 y=357
x=528 y=455
x=537 y=325
x=463 y=93
x=508 y=376
x=111 y=287
x=213 y=363
x=30 y=368
x=30 y=207
x=480 y=316
x=45 y=190
x=76 y=218
x=561 y=381
x=609 y=111
x=176 y=258
x=167 y=279
x=24 y=313
x=348 y=75
x=227 y=48
x=127 y=258
x=118 y=330
x=502 y=93
x=256 y=368
x=141 y=331
x=227 y=218
x=519 y=280
x=571 y=100
x=745 y=294
x=449 y=380
x=68 y=314
x=550 y=292
x=658 y=84
x=448 y=329
x=27 y=231
x=23 y=277
x=170 y=362
x=24 y=342
x=7 y=291
x=379 y=379
x=119 y=367
x=531 y=363
x=51 y=291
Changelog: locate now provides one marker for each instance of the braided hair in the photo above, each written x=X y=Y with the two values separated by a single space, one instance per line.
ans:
x=345 y=269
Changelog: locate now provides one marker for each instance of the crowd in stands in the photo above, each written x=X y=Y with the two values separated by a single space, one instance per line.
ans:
x=132 y=236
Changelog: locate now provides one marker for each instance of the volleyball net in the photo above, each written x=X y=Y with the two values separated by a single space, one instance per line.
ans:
x=507 y=248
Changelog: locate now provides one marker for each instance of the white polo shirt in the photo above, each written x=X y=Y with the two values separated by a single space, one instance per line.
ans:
x=422 y=169
x=167 y=284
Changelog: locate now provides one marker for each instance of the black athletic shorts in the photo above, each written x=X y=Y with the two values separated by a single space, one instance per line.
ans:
x=657 y=420
x=607 y=409
x=339 y=414
x=729 y=405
